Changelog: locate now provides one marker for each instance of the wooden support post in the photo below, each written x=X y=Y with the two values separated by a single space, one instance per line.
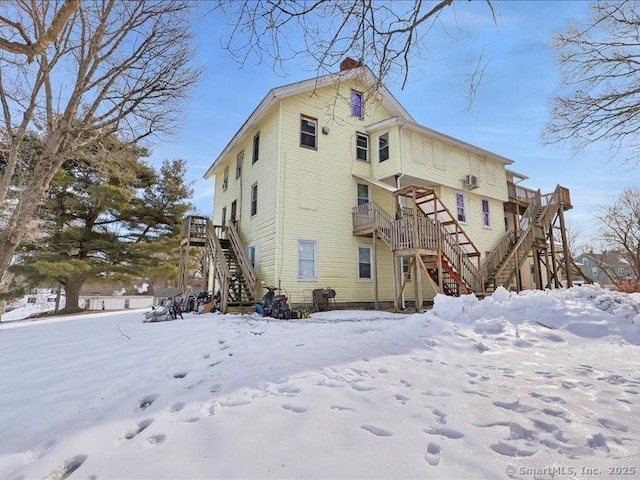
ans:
x=554 y=265
x=396 y=294
x=536 y=269
x=548 y=267
x=418 y=281
x=565 y=247
x=375 y=272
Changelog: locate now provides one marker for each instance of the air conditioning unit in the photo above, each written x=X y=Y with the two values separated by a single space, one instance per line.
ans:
x=471 y=182
x=225 y=184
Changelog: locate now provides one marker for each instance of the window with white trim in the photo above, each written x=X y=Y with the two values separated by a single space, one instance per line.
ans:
x=383 y=147
x=307 y=252
x=594 y=271
x=406 y=271
x=252 y=253
x=362 y=147
x=308 y=132
x=254 y=199
x=365 y=262
x=363 y=194
x=239 y=160
x=621 y=271
x=256 y=148
x=357 y=104
x=486 y=218
x=127 y=303
x=224 y=215
x=225 y=179
x=461 y=208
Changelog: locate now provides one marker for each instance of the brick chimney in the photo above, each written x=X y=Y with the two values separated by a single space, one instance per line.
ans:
x=349 y=63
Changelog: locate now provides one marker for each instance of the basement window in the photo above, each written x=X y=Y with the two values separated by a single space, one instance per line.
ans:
x=362 y=147
x=383 y=147
x=308 y=132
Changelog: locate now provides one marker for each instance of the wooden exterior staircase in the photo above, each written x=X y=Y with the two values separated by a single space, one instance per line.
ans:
x=232 y=270
x=516 y=245
x=429 y=235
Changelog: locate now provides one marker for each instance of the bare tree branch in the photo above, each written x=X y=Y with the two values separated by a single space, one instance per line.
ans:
x=600 y=63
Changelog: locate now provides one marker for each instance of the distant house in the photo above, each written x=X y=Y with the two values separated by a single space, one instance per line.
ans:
x=331 y=182
x=606 y=268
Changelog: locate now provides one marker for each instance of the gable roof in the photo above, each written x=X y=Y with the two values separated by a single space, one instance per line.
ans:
x=276 y=94
x=606 y=259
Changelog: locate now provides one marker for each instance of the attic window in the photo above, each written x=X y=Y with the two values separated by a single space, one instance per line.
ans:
x=357 y=104
x=308 y=132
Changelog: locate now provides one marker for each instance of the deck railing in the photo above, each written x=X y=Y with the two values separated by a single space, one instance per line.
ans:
x=520 y=194
x=406 y=231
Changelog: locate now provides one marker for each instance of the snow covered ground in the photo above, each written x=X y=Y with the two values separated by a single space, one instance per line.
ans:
x=535 y=385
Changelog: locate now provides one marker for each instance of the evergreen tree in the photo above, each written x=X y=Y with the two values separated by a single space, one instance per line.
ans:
x=108 y=217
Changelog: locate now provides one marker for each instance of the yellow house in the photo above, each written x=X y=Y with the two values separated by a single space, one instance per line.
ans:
x=331 y=183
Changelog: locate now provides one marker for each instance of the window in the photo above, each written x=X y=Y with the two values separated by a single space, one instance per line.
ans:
x=224 y=215
x=460 y=207
x=252 y=253
x=363 y=194
x=256 y=148
x=87 y=304
x=621 y=272
x=239 y=160
x=126 y=303
x=308 y=132
x=383 y=147
x=362 y=147
x=254 y=199
x=307 y=259
x=594 y=271
x=234 y=211
x=357 y=104
x=31 y=300
x=53 y=299
x=406 y=272
x=365 y=260
x=486 y=219
x=225 y=179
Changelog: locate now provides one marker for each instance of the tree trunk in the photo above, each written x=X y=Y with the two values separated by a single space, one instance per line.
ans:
x=72 y=292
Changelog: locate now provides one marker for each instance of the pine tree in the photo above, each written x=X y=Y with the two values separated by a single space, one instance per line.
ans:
x=105 y=223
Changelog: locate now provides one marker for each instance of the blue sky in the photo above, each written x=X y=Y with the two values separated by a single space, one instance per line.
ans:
x=507 y=117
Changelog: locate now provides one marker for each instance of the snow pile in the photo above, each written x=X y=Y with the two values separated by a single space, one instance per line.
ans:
x=588 y=311
x=504 y=386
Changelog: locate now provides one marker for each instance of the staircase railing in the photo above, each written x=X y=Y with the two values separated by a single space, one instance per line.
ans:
x=459 y=260
x=222 y=270
x=248 y=272
x=403 y=234
x=497 y=256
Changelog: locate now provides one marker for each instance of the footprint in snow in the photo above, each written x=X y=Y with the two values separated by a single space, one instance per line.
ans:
x=433 y=454
x=557 y=413
x=67 y=468
x=206 y=356
x=378 y=432
x=288 y=390
x=383 y=371
x=361 y=388
x=514 y=406
x=548 y=399
x=145 y=402
x=134 y=431
x=215 y=388
x=342 y=409
x=612 y=425
x=401 y=398
x=155 y=440
x=191 y=420
x=441 y=417
x=180 y=374
x=294 y=408
x=406 y=383
x=474 y=392
x=444 y=432
x=176 y=407
x=510 y=451
x=211 y=365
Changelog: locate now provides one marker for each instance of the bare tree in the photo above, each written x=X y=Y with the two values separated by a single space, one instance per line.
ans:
x=385 y=35
x=619 y=226
x=28 y=46
x=115 y=68
x=600 y=63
